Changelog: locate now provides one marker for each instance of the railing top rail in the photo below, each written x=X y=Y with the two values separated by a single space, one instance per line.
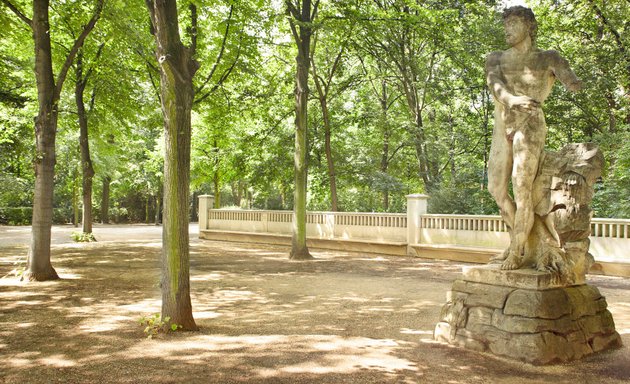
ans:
x=454 y=216
x=610 y=221
x=388 y=214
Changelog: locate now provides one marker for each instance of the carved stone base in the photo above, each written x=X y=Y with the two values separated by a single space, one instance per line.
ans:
x=524 y=315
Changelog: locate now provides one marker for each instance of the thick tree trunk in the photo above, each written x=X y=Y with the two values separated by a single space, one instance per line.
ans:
x=299 y=249
x=39 y=267
x=105 y=200
x=177 y=69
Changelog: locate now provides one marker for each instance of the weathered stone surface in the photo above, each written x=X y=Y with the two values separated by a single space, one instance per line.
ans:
x=536 y=326
x=469 y=343
x=454 y=295
x=443 y=331
x=549 y=304
x=454 y=312
x=520 y=324
x=606 y=342
x=527 y=278
x=479 y=316
x=601 y=323
x=482 y=295
x=584 y=300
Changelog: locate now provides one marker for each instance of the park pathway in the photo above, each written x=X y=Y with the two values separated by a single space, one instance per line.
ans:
x=343 y=318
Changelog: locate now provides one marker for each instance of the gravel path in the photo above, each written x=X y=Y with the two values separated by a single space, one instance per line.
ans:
x=343 y=318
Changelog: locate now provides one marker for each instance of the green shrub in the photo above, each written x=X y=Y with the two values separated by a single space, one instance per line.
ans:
x=16 y=216
x=155 y=324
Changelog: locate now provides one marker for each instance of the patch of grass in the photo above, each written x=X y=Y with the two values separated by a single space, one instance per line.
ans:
x=83 y=237
x=155 y=324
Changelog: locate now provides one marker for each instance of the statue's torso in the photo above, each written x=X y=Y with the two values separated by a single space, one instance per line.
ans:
x=529 y=74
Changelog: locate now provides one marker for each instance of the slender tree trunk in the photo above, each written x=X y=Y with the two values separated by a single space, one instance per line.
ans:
x=105 y=200
x=332 y=178
x=158 y=209
x=177 y=69
x=299 y=249
x=386 y=134
x=216 y=176
x=87 y=169
x=322 y=90
x=75 y=198
x=193 y=214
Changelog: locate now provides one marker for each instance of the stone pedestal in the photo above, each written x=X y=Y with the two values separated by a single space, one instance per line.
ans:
x=525 y=315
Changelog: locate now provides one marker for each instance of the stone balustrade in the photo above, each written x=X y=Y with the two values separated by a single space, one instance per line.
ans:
x=465 y=236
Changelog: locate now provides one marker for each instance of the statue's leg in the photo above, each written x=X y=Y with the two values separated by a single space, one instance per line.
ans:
x=500 y=173
x=527 y=147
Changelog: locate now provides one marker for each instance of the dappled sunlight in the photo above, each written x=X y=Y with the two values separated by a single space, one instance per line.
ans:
x=214 y=276
x=57 y=361
x=348 y=317
x=333 y=354
x=104 y=323
x=621 y=315
x=144 y=306
x=408 y=331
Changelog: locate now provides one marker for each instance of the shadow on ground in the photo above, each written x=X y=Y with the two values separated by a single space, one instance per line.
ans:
x=346 y=317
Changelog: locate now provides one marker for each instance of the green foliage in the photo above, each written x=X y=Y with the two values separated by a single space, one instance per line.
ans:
x=23 y=215
x=83 y=237
x=243 y=116
x=154 y=325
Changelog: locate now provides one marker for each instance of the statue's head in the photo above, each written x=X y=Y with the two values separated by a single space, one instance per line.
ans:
x=527 y=17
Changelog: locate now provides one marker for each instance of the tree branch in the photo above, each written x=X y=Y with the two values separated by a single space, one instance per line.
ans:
x=223 y=77
x=96 y=57
x=314 y=14
x=19 y=14
x=292 y=9
x=220 y=55
x=193 y=28
x=75 y=48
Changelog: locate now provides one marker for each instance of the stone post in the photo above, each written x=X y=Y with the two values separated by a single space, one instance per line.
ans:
x=416 y=206
x=205 y=202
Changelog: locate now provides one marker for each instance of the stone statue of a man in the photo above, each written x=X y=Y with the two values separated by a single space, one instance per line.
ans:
x=520 y=79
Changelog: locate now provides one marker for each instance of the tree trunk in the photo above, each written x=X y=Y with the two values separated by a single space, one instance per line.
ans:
x=386 y=134
x=177 y=69
x=158 y=209
x=332 y=178
x=87 y=170
x=75 y=198
x=299 y=249
x=39 y=267
x=105 y=200
x=216 y=176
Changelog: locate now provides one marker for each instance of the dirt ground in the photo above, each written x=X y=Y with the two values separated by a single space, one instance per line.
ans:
x=344 y=318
